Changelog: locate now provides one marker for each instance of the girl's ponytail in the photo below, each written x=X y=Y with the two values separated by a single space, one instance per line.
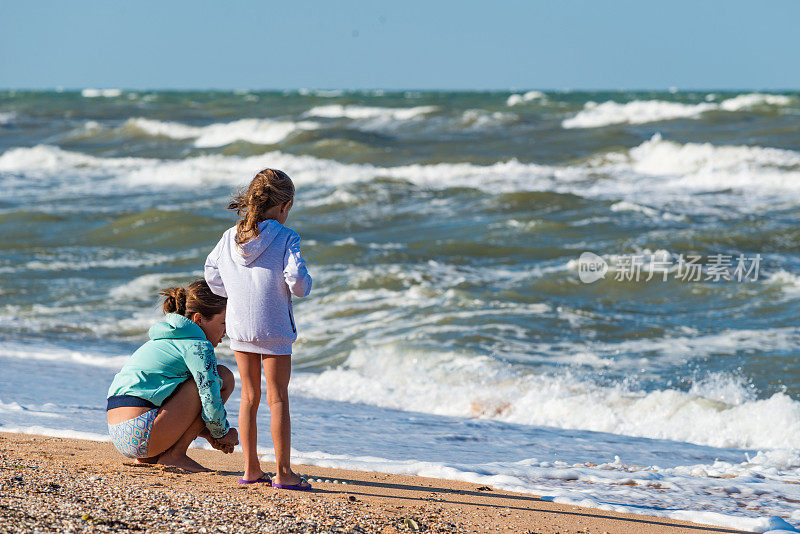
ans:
x=269 y=188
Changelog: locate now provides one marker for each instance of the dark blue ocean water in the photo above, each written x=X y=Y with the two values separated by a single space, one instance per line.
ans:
x=443 y=232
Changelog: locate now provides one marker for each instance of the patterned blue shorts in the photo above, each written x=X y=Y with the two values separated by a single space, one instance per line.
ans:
x=132 y=437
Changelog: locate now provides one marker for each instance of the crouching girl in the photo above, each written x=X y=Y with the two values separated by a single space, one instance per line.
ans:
x=171 y=390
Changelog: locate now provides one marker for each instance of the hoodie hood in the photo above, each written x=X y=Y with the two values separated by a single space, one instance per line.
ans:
x=250 y=251
x=176 y=326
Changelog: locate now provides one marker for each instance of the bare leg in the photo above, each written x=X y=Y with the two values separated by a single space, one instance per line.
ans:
x=250 y=374
x=178 y=423
x=277 y=371
x=176 y=455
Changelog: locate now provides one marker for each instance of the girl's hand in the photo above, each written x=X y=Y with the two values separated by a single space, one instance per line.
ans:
x=227 y=442
x=218 y=445
x=230 y=440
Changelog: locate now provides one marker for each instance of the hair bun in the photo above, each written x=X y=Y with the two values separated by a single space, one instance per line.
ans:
x=174 y=300
x=196 y=298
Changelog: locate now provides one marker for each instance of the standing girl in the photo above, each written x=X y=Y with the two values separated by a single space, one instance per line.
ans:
x=257 y=264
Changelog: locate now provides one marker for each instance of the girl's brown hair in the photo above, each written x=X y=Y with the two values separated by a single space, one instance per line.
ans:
x=197 y=298
x=268 y=189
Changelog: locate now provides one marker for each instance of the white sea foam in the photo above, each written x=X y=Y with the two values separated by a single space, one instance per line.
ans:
x=14 y=407
x=38 y=430
x=46 y=158
x=471 y=385
x=668 y=351
x=147 y=284
x=745 y=493
x=752 y=100
x=323 y=93
x=516 y=99
x=666 y=172
x=95 y=359
x=727 y=494
x=104 y=93
x=6 y=117
x=68 y=260
x=258 y=131
x=718 y=411
x=372 y=117
x=608 y=113
x=789 y=283
x=596 y=115
x=656 y=214
x=305 y=170
x=335 y=111
x=735 y=491
x=174 y=130
x=659 y=157
x=654 y=174
x=478 y=119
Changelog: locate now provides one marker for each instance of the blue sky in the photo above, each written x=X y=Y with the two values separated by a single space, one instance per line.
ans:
x=347 y=44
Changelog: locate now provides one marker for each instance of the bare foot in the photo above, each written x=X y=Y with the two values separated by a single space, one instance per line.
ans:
x=182 y=462
x=146 y=461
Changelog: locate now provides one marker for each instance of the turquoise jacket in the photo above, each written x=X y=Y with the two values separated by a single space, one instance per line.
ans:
x=177 y=350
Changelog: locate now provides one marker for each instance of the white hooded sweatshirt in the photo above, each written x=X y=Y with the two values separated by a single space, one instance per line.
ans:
x=259 y=278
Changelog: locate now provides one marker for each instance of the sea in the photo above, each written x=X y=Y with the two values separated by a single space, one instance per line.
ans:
x=588 y=296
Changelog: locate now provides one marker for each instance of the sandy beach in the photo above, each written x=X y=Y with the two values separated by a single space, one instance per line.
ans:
x=57 y=484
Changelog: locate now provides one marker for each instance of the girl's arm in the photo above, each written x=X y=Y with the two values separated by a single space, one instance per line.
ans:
x=294 y=269
x=202 y=363
x=212 y=276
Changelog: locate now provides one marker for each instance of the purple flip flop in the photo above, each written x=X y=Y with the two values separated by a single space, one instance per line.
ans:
x=263 y=480
x=298 y=486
